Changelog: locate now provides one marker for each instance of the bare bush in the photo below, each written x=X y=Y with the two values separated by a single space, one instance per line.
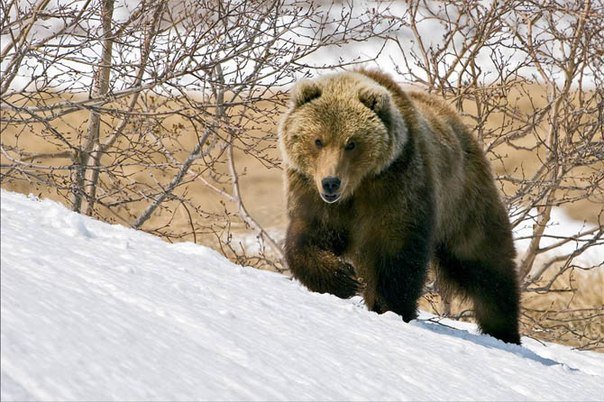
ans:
x=120 y=109
x=527 y=76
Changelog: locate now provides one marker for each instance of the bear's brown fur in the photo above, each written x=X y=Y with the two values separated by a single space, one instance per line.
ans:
x=380 y=182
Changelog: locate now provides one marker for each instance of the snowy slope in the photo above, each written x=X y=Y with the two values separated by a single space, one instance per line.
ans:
x=92 y=311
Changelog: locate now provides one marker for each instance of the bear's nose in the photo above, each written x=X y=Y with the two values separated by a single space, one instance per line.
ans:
x=330 y=184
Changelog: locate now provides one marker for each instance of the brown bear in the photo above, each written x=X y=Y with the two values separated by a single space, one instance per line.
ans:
x=380 y=182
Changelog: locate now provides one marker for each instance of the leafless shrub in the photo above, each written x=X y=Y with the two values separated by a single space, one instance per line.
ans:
x=121 y=108
x=527 y=76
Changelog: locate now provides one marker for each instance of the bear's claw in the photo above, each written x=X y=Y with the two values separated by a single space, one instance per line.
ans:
x=346 y=283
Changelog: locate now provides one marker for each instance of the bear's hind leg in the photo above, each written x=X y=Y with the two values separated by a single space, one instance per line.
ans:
x=490 y=281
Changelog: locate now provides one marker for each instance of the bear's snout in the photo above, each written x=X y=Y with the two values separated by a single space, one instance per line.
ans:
x=331 y=184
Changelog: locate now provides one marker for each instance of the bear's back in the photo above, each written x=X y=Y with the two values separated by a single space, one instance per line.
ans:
x=458 y=166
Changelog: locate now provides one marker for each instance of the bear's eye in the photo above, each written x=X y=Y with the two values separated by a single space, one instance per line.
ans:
x=319 y=143
x=350 y=146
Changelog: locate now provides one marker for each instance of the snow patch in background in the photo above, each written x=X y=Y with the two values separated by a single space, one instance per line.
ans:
x=560 y=226
x=92 y=311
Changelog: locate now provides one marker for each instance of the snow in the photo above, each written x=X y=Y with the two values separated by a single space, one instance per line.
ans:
x=560 y=226
x=92 y=311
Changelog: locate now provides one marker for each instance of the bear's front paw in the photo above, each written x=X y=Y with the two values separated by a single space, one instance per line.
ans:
x=346 y=284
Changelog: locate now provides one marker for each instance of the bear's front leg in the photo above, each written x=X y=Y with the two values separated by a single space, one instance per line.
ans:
x=397 y=284
x=310 y=252
x=395 y=272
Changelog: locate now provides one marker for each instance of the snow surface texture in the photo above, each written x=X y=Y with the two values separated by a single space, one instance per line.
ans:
x=92 y=311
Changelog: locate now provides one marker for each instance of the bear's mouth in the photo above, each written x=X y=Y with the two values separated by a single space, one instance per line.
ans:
x=330 y=198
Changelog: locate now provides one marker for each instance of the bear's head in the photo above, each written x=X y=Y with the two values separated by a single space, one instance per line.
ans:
x=339 y=130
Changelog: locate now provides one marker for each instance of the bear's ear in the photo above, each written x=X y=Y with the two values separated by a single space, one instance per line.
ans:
x=379 y=100
x=304 y=92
